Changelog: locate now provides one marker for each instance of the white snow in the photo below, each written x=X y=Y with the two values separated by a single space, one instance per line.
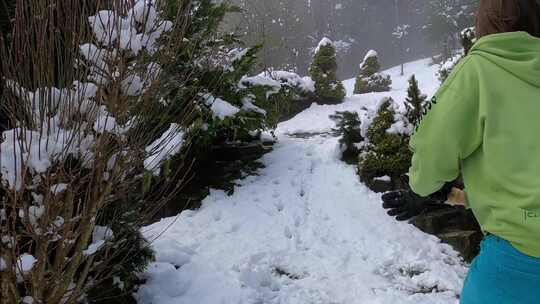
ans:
x=3 y=264
x=33 y=148
x=169 y=144
x=316 y=119
x=93 y=248
x=59 y=188
x=304 y=230
x=34 y=213
x=370 y=53
x=25 y=262
x=385 y=178
x=28 y=300
x=105 y=122
x=104 y=26
x=324 y=42
x=132 y=85
x=220 y=108
x=276 y=79
x=102 y=233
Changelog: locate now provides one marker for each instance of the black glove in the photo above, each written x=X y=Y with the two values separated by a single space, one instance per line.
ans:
x=405 y=204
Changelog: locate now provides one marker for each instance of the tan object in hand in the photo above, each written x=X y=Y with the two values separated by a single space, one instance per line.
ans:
x=457 y=197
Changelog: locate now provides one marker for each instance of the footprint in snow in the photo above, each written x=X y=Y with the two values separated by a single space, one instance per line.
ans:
x=234 y=228
x=297 y=221
x=216 y=215
x=279 y=206
x=288 y=232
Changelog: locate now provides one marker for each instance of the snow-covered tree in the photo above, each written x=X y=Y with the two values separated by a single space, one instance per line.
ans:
x=386 y=152
x=467 y=39
x=348 y=127
x=323 y=71
x=369 y=79
x=445 y=18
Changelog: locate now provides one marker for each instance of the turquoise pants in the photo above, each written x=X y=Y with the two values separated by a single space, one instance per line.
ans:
x=502 y=275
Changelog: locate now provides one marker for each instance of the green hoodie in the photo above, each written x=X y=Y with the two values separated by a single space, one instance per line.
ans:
x=485 y=120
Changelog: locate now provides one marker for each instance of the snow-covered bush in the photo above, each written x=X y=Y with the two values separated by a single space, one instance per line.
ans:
x=386 y=152
x=369 y=79
x=323 y=71
x=467 y=39
x=230 y=106
x=447 y=66
x=277 y=93
x=85 y=133
x=348 y=127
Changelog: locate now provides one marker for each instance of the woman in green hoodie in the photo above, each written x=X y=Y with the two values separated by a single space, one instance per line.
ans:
x=485 y=124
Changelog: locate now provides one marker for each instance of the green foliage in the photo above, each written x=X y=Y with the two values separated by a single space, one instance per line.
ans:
x=467 y=38
x=416 y=102
x=370 y=80
x=446 y=17
x=324 y=72
x=211 y=64
x=386 y=154
x=373 y=83
x=348 y=127
x=370 y=66
x=128 y=260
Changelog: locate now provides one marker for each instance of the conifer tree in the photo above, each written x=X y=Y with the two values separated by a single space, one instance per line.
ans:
x=324 y=72
x=348 y=127
x=467 y=37
x=370 y=80
x=445 y=18
x=387 y=152
x=416 y=102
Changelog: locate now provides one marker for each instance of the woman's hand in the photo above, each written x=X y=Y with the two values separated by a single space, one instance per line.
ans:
x=405 y=204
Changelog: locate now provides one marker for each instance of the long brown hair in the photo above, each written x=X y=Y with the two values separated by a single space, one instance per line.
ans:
x=501 y=16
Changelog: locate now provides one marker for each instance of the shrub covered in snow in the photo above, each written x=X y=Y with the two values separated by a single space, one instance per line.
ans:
x=447 y=66
x=386 y=152
x=231 y=105
x=467 y=38
x=72 y=169
x=369 y=79
x=323 y=71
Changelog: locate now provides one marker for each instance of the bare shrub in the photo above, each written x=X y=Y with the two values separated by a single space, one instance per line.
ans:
x=81 y=90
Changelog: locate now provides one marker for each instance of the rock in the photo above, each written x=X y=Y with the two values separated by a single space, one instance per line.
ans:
x=466 y=242
x=437 y=221
x=455 y=226
x=219 y=169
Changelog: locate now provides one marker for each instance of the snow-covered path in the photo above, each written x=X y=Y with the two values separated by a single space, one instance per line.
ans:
x=303 y=231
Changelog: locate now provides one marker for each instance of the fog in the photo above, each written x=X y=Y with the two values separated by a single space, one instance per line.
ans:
x=399 y=30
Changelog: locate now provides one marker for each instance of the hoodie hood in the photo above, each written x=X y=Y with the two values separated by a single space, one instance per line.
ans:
x=517 y=53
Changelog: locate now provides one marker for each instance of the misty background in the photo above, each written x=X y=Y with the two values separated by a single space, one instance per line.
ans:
x=399 y=30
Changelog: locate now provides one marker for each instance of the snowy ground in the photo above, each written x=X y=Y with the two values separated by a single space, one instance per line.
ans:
x=304 y=231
